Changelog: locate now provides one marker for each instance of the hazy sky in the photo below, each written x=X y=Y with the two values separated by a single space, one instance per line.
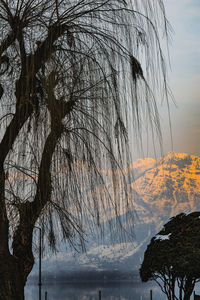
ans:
x=184 y=78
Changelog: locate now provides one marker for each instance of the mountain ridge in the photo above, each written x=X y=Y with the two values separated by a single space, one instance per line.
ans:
x=161 y=189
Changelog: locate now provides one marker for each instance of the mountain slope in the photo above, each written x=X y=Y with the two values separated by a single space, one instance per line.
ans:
x=172 y=185
x=162 y=188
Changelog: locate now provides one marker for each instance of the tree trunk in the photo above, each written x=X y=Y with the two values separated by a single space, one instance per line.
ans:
x=15 y=267
x=189 y=287
x=181 y=292
x=173 y=288
x=11 y=279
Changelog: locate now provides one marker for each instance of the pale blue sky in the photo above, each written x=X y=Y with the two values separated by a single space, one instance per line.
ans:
x=184 y=15
x=184 y=78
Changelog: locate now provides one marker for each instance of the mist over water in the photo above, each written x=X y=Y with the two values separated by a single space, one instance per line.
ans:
x=90 y=291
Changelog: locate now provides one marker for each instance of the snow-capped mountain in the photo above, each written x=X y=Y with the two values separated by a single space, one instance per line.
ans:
x=161 y=189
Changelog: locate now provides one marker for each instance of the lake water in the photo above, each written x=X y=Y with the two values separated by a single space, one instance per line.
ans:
x=90 y=291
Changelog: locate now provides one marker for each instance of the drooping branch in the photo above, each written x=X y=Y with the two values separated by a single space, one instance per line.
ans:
x=30 y=211
x=12 y=131
x=24 y=108
x=25 y=88
x=26 y=101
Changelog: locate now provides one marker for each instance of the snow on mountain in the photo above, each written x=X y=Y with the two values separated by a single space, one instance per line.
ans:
x=173 y=185
x=161 y=189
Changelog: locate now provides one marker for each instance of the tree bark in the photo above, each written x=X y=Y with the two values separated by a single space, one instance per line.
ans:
x=189 y=287
x=173 y=288
x=11 y=279
x=181 y=290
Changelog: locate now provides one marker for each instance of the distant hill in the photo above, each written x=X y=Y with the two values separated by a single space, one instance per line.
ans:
x=161 y=189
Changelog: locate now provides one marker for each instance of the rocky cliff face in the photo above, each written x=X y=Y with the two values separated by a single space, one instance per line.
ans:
x=161 y=189
x=172 y=185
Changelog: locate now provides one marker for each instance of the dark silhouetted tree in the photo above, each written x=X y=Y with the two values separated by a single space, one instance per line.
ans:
x=76 y=76
x=172 y=259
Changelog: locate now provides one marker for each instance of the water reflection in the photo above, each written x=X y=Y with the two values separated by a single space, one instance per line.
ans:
x=90 y=291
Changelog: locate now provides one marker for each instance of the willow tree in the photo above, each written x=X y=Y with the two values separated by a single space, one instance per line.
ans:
x=76 y=76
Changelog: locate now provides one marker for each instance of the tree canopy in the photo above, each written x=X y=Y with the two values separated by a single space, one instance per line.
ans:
x=172 y=258
x=76 y=76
